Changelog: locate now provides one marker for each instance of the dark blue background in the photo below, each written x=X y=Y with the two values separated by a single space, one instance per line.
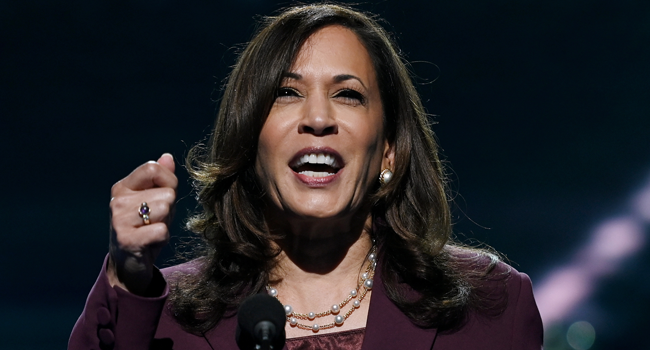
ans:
x=542 y=111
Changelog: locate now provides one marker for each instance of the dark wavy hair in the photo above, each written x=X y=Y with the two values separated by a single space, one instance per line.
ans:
x=411 y=214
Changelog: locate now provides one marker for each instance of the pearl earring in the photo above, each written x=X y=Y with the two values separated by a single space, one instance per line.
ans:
x=385 y=176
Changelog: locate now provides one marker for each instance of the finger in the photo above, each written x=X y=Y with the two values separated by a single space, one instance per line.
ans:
x=125 y=209
x=146 y=176
x=131 y=201
x=158 y=212
x=167 y=160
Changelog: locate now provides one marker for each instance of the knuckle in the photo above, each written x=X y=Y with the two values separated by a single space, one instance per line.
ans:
x=162 y=210
x=150 y=168
x=159 y=233
x=115 y=204
x=168 y=195
x=174 y=181
x=119 y=203
x=116 y=188
x=166 y=210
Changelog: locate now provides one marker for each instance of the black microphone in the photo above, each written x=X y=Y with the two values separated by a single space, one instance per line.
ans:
x=261 y=321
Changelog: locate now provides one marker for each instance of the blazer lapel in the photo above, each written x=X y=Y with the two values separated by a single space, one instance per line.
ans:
x=222 y=336
x=388 y=328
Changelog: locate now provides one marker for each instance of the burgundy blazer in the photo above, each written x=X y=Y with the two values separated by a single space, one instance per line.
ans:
x=116 y=319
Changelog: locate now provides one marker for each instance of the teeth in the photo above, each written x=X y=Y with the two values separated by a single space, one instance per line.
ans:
x=316 y=173
x=317 y=158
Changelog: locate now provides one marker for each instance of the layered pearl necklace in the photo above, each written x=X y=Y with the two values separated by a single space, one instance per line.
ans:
x=365 y=281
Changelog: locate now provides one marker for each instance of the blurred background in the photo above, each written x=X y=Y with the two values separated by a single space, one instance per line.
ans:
x=542 y=109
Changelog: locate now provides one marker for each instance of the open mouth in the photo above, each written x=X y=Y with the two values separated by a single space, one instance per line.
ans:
x=320 y=164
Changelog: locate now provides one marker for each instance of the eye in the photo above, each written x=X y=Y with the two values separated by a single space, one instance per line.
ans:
x=286 y=92
x=351 y=97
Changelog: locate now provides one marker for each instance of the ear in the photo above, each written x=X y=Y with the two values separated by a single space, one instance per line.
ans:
x=388 y=160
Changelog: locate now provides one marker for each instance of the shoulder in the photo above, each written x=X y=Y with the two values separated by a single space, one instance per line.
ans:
x=489 y=275
x=192 y=267
x=476 y=259
x=506 y=308
x=484 y=269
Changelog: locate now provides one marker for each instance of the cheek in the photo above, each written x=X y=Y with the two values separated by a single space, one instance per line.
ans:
x=377 y=150
x=271 y=142
x=369 y=137
x=264 y=156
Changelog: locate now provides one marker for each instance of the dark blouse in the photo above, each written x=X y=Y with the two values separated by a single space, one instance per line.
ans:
x=346 y=340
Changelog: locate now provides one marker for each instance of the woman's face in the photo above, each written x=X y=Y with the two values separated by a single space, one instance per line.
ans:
x=322 y=147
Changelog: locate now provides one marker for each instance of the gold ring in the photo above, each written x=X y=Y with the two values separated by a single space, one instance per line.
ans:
x=144 y=213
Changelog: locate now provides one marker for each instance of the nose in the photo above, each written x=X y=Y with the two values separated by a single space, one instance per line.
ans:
x=318 y=118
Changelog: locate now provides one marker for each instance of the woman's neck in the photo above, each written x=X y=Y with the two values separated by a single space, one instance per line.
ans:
x=323 y=246
x=331 y=258
x=318 y=269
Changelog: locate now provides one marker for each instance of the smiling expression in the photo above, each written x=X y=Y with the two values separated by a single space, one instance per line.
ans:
x=322 y=145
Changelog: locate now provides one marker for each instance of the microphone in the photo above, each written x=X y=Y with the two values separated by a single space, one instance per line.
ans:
x=260 y=323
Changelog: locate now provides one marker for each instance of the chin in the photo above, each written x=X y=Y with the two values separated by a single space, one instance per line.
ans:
x=318 y=208
x=320 y=213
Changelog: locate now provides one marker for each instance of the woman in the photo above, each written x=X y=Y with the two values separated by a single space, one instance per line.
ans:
x=322 y=187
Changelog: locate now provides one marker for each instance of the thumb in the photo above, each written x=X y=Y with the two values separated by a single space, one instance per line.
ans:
x=167 y=160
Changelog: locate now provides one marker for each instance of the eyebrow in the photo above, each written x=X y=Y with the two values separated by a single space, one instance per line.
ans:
x=291 y=75
x=337 y=78
x=343 y=77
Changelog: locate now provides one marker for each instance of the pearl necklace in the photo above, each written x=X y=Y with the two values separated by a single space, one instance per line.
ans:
x=365 y=281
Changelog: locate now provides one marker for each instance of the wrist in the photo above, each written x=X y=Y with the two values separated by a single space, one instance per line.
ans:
x=136 y=281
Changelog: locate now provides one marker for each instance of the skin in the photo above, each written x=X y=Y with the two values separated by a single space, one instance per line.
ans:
x=133 y=245
x=330 y=98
